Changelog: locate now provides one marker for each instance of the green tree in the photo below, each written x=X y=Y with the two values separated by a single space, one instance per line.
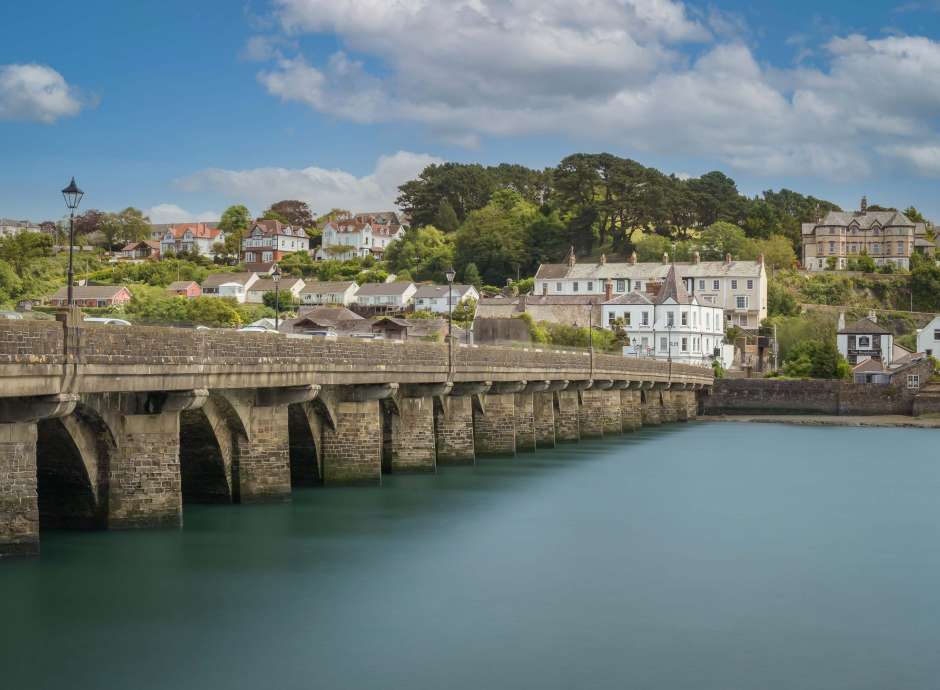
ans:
x=777 y=250
x=425 y=252
x=23 y=249
x=471 y=275
x=129 y=225
x=722 y=238
x=925 y=283
x=284 y=297
x=780 y=302
x=292 y=212
x=446 y=217
x=465 y=187
x=235 y=223
x=816 y=359
x=494 y=237
x=652 y=247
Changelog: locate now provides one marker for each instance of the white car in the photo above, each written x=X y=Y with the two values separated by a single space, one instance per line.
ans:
x=256 y=329
x=107 y=321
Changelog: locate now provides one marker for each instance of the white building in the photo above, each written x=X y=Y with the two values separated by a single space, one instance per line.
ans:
x=928 y=338
x=189 y=237
x=329 y=292
x=434 y=298
x=673 y=324
x=254 y=294
x=388 y=296
x=269 y=241
x=234 y=285
x=739 y=287
x=359 y=236
x=10 y=227
x=865 y=339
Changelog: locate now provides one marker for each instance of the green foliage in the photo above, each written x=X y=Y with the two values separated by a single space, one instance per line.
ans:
x=494 y=236
x=155 y=273
x=154 y=306
x=812 y=326
x=925 y=283
x=234 y=223
x=777 y=250
x=908 y=340
x=24 y=248
x=10 y=284
x=372 y=275
x=780 y=302
x=815 y=359
x=292 y=212
x=525 y=286
x=717 y=369
x=425 y=252
x=129 y=225
x=722 y=238
x=284 y=297
x=446 y=218
x=578 y=336
x=652 y=247
x=471 y=276
x=465 y=312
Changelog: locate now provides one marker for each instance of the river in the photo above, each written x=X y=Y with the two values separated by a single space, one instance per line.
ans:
x=699 y=556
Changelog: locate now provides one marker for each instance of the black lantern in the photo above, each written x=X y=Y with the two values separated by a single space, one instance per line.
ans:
x=72 y=195
x=276 y=277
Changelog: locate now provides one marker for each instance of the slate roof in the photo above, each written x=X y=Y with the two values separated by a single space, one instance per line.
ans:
x=649 y=270
x=329 y=314
x=630 y=298
x=867 y=219
x=89 y=291
x=326 y=286
x=673 y=288
x=440 y=291
x=866 y=327
x=267 y=284
x=383 y=289
x=178 y=285
x=217 y=279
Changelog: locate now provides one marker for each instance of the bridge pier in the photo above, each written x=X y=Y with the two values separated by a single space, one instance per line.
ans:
x=352 y=445
x=651 y=404
x=412 y=446
x=630 y=414
x=453 y=424
x=543 y=412
x=494 y=428
x=610 y=408
x=568 y=411
x=592 y=412
x=525 y=415
x=19 y=506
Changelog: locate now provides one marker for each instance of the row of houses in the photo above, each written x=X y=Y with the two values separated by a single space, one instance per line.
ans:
x=250 y=287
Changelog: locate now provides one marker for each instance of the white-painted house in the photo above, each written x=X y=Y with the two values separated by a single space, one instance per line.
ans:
x=435 y=298
x=327 y=292
x=359 y=236
x=865 y=339
x=928 y=338
x=234 y=285
x=387 y=296
x=673 y=324
x=255 y=293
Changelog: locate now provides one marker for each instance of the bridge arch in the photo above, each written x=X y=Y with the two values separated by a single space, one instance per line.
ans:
x=305 y=423
x=73 y=458
x=211 y=437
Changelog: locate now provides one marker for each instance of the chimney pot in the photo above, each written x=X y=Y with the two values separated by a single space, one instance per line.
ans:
x=603 y=259
x=665 y=257
x=695 y=257
x=728 y=258
x=608 y=290
x=760 y=258
x=633 y=258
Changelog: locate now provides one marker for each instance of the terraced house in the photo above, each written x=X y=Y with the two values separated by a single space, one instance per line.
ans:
x=888 y=237
x=738 y=287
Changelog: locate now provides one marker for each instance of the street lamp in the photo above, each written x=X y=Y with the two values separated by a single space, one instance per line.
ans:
x=276 y=277
x=450 y=274
x=73 y=197
x=669 y=355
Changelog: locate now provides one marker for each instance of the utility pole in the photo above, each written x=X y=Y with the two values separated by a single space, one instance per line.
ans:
x=591 y=336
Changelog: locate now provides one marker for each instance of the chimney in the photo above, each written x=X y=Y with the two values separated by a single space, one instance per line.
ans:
x=608 y=290
x=571 y=257
x=760 y=258
x=840 y=326
x=864 y=205
x=872 y=316
x=633 y=259
x=603 y=259
x=728 y=258
x=665 y=257
x=695 y=257
x=545 y=287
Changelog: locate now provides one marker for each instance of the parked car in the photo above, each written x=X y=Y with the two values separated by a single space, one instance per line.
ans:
x=107 y=321
x=11 y=315
x=256 y=329
x=322 y=333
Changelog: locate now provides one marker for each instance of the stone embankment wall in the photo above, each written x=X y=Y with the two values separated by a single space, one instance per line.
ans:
x=770 y=396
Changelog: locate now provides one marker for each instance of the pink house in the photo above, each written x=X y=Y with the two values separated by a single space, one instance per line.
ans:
x=184 y=288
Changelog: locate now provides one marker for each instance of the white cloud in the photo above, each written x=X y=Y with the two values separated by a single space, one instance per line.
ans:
x=321 y=188
x=925 y=158
x=171 y=213
x=617 y=72
x=37 y=93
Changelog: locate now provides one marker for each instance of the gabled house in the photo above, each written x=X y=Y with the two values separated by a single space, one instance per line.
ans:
x=234 y=285
x=329 y=292
x=928 y=338
x=196 y=238
x=385 y=296
x=673 y=324
x=138 y=251
x=92 y=296
x=364 y=234
x=184 y=288
x=269 y=241
x=865 y=339
x=255 y=293
x=435 y=298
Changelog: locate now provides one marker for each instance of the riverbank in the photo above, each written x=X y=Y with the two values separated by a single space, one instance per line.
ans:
x=832 y=420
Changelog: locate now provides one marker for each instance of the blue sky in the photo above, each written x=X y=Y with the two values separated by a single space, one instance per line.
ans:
x=182 y=108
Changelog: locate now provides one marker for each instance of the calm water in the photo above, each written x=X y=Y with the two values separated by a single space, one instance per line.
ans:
x=702 y=556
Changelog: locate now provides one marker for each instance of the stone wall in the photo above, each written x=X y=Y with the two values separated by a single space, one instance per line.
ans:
x=494 y=429
x=770 y=396
x=453 y=430
x=19 y=508
x=352 y=452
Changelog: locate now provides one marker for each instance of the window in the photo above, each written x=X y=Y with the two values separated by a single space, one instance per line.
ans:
x=626 y=318
x=685 y=344
x=670 y=319
x=750 y=285
x=832 y=247
x=900 y=247
x=936 y=334
x=864 y=341
x=913 y=381
x=620 y=286
x=663 y=344
x=715 y=284
x=267 y=256
x=590 y=286
x=611 y=317
x=646 y=318
x=734 y=285
x=685 y=318
x=574 y=286
x=694 y=319
x=701 y=285
x=558 y=287
x=740 y=301
x=637 y=285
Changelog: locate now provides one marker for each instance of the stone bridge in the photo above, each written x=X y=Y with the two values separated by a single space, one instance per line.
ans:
x=110 y=427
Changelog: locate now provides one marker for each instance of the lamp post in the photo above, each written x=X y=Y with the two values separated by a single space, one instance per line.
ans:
x=276 y=277
x=450 y=274
x=669 y=350
x=73 y=197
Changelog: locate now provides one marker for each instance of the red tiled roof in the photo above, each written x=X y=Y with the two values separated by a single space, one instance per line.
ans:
x=199 y=230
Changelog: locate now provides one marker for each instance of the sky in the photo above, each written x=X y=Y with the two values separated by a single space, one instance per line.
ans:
x=183 y=108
